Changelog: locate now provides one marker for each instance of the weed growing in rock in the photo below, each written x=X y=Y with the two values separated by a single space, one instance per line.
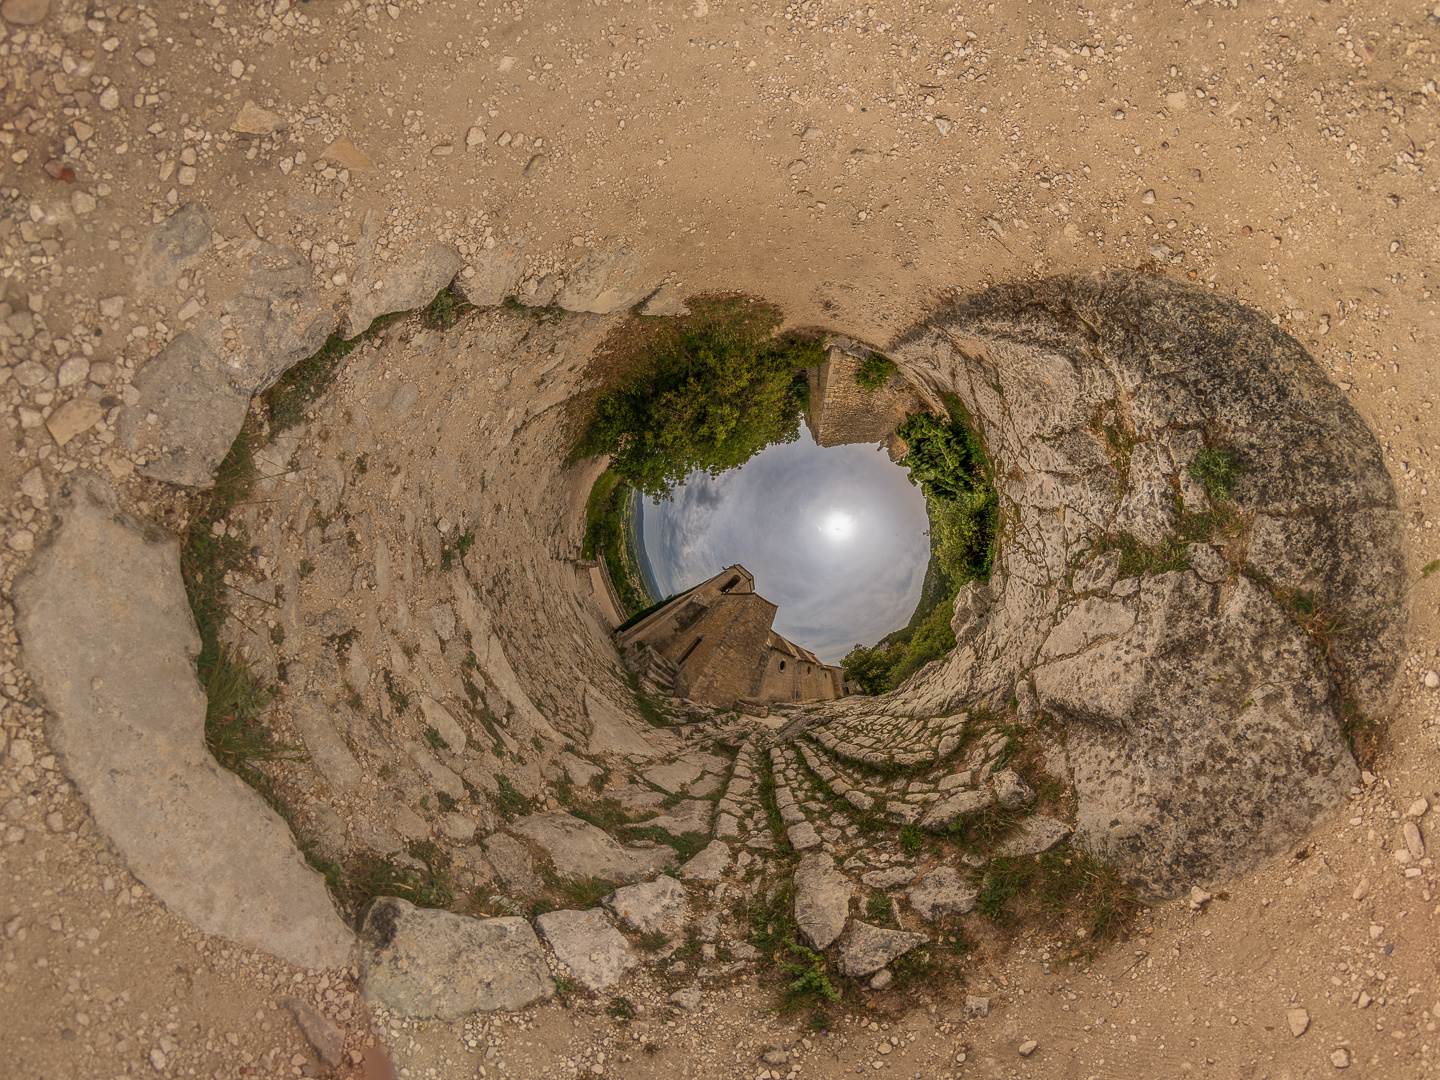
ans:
x=365 y=875
x=461 y=547
x=584 y=893
x=398 y=698
x=874 y=373
x=621 y=1008
x=509 y=803
x=435 y=739
x=443 y=312
x=654 y=940
x=235 y=732
x=1216 y=468
x=811 y=982
x=877 y=909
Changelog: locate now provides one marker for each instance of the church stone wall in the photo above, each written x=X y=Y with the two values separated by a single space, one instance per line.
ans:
x=842 y=413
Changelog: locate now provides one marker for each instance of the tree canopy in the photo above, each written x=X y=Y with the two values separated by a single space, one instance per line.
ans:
x=708 y=395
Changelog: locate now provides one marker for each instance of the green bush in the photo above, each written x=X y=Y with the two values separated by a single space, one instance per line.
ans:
x=706 y=394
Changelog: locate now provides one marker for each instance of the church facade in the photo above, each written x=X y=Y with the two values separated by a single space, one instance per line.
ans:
x=719 y=641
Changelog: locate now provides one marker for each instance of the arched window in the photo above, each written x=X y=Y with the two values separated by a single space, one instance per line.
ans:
x=782 y=665
x=730 y=584
x=807 y=669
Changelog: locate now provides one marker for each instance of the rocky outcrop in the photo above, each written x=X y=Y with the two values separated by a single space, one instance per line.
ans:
x=128 y=725
x=1204 y=720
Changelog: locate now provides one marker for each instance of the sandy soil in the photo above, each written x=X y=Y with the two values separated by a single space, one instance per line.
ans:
x=855 y=165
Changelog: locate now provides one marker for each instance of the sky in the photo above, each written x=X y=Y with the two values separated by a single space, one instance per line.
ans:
x=835 y=537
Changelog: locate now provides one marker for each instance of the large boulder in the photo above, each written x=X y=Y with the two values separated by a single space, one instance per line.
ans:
x=128 y=724
x=585 y=942
x=1204 y=721
x=425 y=963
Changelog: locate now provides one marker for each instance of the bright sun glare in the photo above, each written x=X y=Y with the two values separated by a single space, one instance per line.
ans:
x=837 y=525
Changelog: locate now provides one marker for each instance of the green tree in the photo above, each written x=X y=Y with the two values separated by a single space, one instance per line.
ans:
x=708 y=396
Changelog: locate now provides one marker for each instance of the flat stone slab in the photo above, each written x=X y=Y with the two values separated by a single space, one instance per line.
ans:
x=822 y=899
x=649 y=905
x=957 y=806
x=128 y=726
x=1036 y=834
x=889 y=877
x=942 y=892
x=611 y=732
x=324 y=744
x=709 y=865
x=674 y=776
x=692 y=815
x=424 y=963
x=867 y=949
x=585 y=942
x=580 y=850
x=803 y=836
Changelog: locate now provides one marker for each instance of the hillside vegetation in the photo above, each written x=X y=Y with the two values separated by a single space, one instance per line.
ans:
x=946 y=459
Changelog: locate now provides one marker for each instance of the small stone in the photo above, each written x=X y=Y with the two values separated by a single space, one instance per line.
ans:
x=112 y=307
x=536 y=163
x=1299 y=1021
x=25 y=12
x=325 y=1037
x=882 y=979
x=157 y=1059
x=21 y=540
x=1028 y=1047
x=442 y=150
x=1199 y=897
x=1417 y=808
x=110 y=98
x=977 y=1006
x=75 y=416
x=253 y=120
x=32 y=485
x=1149 y=197
x=237 y=68
x=82 y=202
x=145 y=57
x=344 y=153
x=943 y=125
x=1432 y=679
x=474 y=137
x=1361 y=891
x=687 y=998
x=1413 y=840
x=811 y=133
x=1340 y=1058
x=775 y=1057
x=75 y=369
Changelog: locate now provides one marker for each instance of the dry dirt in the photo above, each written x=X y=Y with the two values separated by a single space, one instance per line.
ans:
x=855 y=165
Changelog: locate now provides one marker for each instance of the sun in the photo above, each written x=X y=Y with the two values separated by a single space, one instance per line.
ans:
x=837 y=525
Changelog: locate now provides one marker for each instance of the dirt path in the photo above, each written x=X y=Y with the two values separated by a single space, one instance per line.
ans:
x=854 y=165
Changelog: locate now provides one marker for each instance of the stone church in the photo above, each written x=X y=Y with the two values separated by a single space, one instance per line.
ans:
x=715 y=644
